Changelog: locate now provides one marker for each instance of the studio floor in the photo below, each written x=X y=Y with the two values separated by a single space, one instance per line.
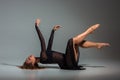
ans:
x=108 y=70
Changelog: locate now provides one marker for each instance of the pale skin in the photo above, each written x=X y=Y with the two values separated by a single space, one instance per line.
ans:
x=88 y=44
x=76 y=41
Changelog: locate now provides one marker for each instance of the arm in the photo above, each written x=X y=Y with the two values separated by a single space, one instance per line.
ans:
x=41 y=38
x=50 y=42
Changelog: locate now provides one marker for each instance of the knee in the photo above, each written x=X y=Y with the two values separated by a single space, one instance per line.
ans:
x=81 y=44
x=75 y=40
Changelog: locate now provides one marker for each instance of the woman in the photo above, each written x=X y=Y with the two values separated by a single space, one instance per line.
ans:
x=70 y=59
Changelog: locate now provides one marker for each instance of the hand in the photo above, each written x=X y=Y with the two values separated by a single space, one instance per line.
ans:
x=56 y=27
x=37 y=22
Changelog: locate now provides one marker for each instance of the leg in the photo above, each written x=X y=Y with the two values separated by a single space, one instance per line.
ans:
x=72 y=56
x=89 y=44
x=69 y=56
x=77 y=56
x=79 y=38
x=79 y=41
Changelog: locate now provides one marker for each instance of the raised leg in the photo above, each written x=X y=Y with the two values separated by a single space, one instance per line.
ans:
x=89 y=44
x=79 y=38
x=79 y=41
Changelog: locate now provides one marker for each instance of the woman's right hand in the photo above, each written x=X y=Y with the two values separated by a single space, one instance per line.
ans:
x=37 y=22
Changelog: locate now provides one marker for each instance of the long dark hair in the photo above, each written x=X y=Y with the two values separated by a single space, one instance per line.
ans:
x=30 y=66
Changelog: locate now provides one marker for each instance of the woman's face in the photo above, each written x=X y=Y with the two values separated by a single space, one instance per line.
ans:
x=30 y=59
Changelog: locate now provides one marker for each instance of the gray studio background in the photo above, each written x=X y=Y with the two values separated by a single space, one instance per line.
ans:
x=18 y=37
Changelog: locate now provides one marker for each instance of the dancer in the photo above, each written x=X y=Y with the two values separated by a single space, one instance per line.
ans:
x=70 y=59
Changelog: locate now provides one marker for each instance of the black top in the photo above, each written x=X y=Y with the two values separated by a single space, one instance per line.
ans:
x=48 y=55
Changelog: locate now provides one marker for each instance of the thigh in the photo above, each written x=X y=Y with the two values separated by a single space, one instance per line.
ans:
x=69 y=54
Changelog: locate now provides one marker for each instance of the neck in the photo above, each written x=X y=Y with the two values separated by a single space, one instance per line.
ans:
x=37 y=59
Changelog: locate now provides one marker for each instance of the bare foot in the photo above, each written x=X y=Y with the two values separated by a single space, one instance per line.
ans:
x=101 y=45
x=93 y=28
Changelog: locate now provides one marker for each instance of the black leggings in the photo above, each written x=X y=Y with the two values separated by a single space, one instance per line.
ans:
x=65 y=61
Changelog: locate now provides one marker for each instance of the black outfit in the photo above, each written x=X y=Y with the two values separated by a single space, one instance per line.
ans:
x=48 y=56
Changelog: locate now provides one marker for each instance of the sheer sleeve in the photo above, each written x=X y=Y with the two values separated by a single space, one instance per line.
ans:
x=41 y=38
x=50 y=42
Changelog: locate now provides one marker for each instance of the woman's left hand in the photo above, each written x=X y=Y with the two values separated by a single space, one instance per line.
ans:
x=56 y=27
